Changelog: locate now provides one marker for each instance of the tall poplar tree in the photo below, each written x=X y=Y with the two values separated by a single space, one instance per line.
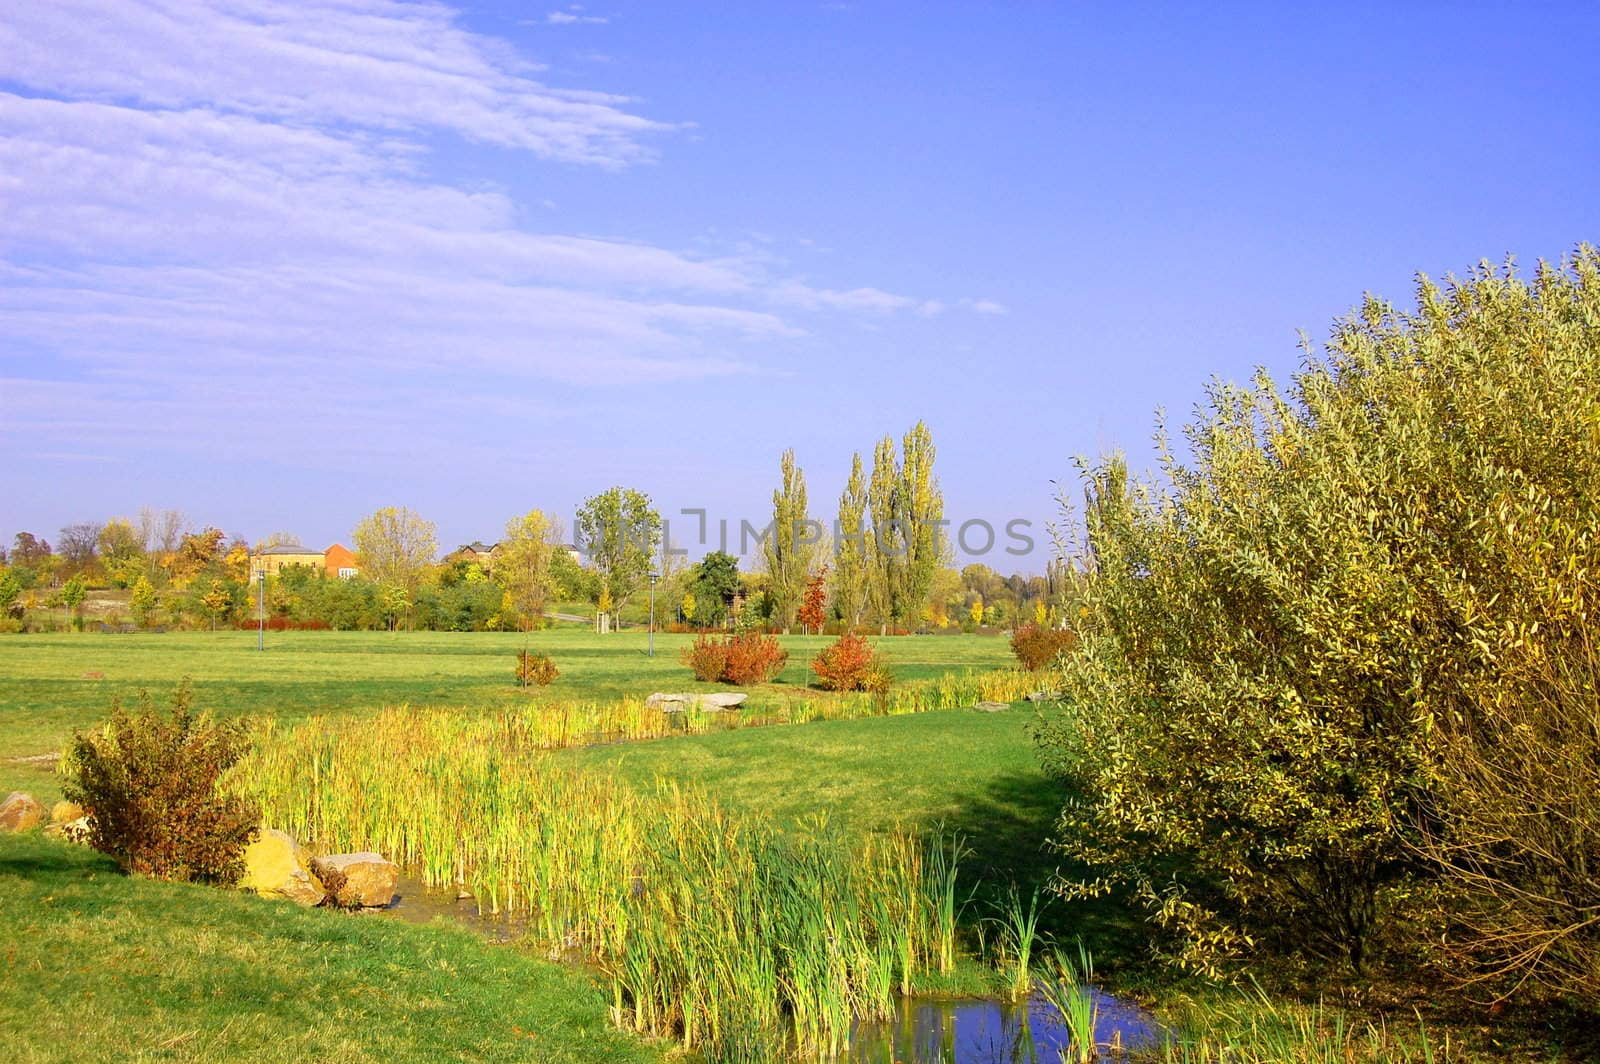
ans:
x=884 y=547
x=920 y=509
x=850 y=576
x=788 y=553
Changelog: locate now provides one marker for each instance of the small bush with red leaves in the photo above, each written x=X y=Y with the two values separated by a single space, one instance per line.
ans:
x=277 y=623
x=850 y=664
x=1036 y=647
x=536 y=669
x=149 y=783
x=737 y=659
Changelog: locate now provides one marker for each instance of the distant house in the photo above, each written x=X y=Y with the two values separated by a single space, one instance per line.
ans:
x=341 y=562
x=479 y=552
x=273 y=560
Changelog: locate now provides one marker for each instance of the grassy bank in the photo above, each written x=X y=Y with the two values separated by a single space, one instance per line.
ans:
x=99 y=966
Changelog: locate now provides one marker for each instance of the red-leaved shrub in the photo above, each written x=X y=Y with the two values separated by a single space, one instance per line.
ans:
x=278 y=623
x=738 y=659
x=151 y=782
x=1037 y=647
x=850 y=664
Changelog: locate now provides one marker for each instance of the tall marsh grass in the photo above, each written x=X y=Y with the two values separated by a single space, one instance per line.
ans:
x=712 y=927
x=1259 y=1030
x=1065 y=985
x=554 y=724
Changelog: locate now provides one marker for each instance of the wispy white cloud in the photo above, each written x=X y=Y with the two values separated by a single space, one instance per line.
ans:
x=201 y=197
x=573 y=16
x=373 y=63
x=984 y=306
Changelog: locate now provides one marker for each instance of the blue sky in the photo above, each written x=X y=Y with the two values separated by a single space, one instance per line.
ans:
x=279 y=264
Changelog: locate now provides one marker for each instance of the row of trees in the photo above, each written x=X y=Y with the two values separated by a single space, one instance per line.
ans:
x=158 y=546
x=884 y=562
x=886 y=544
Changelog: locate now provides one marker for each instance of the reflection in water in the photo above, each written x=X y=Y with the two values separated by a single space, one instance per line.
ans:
x=992 y=1032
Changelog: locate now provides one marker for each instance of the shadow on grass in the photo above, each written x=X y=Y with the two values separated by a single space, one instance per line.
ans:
x=1008 y=825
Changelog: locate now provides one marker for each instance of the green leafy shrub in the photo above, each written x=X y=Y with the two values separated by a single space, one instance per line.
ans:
x=149 y=783
x=850 y=663
x=1278 y=638
x=1037 y=647
x=536 y=669
x=1515 y=823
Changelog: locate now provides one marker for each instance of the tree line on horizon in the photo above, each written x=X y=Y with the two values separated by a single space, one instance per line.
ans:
x=884 y=565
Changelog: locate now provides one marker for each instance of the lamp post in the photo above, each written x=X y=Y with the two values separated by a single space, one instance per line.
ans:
x=653 y=577
x=261 y=609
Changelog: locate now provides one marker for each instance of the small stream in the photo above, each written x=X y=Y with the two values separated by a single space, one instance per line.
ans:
x=923 y=1031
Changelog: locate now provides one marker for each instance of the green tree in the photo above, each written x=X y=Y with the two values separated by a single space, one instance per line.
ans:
x=619 y=530
x=714 y=583
x=121 y=553
x=522 y=565
x=73 y=592
x=215 y=601
x=885 y=547
x=790 y=547
x=851 y=554
x=10 y=591
x=572 y=581
x=920 y=513
x=396 y=546
x=143 y=601
x=395 y=602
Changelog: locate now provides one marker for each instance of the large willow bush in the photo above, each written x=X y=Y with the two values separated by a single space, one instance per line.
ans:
x=1302 y=646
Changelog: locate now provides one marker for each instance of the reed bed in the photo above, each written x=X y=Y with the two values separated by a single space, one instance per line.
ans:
x=554 y=724
x=1260 y=1030
x=714 y=928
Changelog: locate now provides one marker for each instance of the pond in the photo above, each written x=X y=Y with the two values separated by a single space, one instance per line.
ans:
x=994 y=1032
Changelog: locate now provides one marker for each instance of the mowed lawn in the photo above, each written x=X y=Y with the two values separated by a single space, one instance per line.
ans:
x=51 y=685
x=101 y=966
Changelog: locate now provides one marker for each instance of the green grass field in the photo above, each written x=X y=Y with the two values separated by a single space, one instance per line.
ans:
x=975 y=772
x=46 y=689
x=101 y=966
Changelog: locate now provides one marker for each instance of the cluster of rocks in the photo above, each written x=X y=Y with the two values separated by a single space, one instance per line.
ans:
x=705 y=703
x=277 y=866
x=22 y=812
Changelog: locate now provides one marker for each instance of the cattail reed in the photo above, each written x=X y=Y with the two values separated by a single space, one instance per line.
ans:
x=712 y=927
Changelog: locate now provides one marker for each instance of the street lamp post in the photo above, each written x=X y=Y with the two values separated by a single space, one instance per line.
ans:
x=653 y=577
x=261 y=609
